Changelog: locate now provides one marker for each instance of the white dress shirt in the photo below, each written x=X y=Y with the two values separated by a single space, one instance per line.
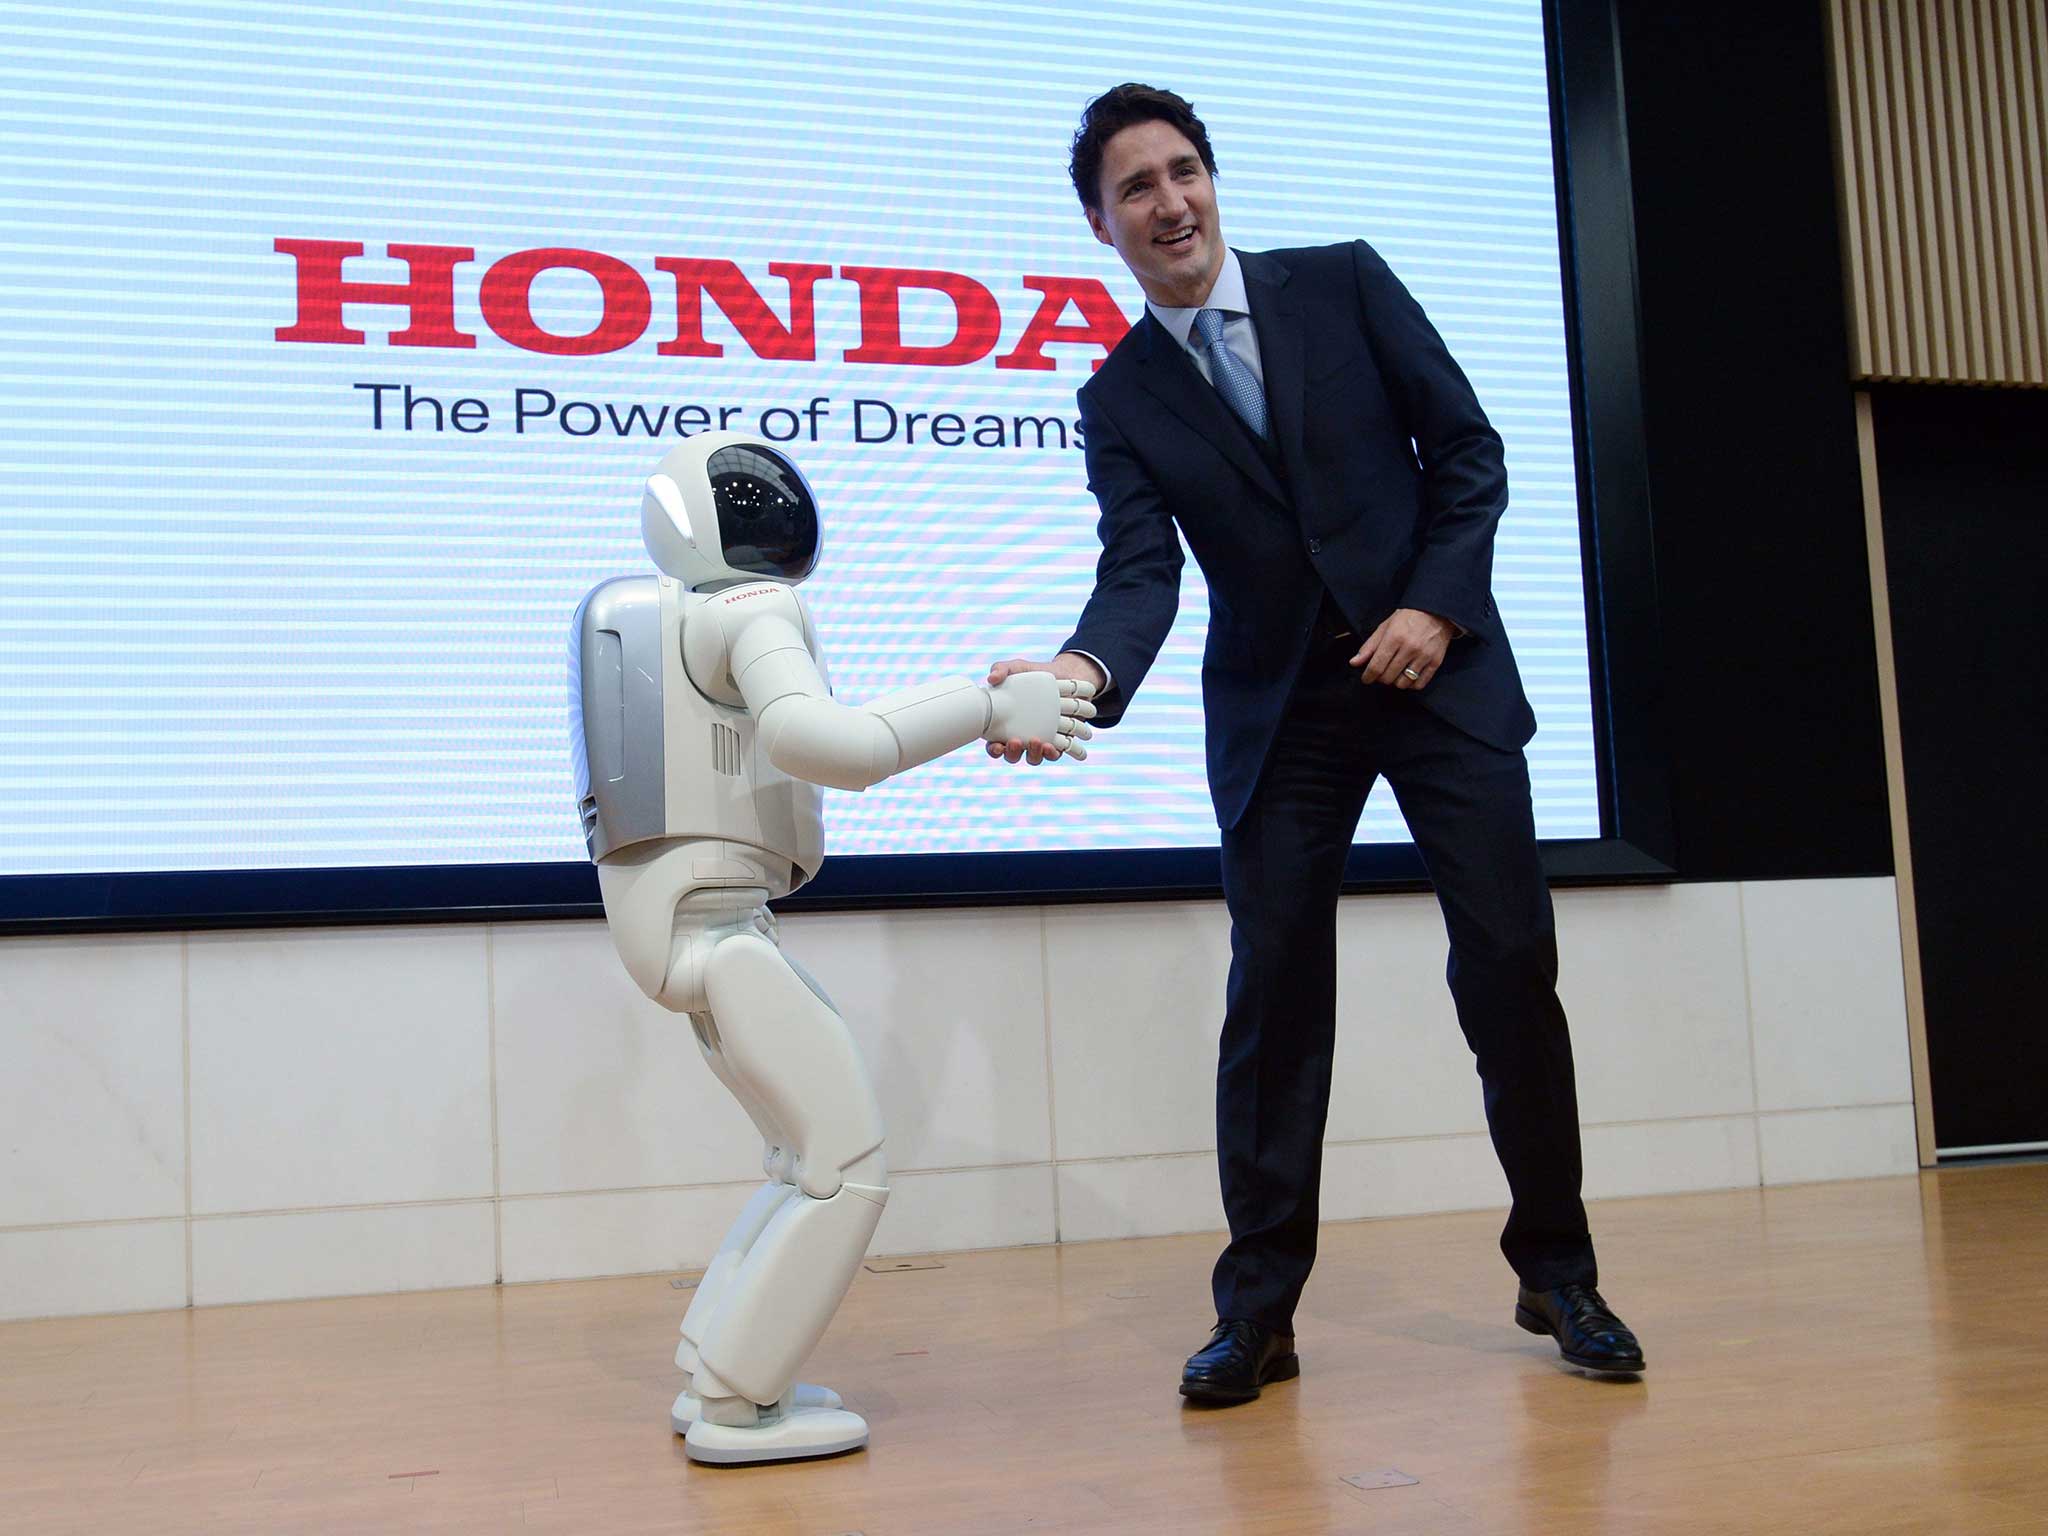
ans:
x=1226 y=294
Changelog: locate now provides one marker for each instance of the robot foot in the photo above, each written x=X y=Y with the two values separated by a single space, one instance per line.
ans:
x=792 y=1435
x=688 y=1409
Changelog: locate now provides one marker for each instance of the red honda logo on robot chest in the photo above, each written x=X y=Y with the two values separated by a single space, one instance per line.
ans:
x=630 y=310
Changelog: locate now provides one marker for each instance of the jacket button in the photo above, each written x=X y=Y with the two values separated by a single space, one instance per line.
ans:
x=1315 y=546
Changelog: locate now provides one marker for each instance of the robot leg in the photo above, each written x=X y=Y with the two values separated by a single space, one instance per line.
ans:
x=777 y=1152
x=741 y=1236
x=777 y=1158
x=789 y=1046
x=664 y=924
x=793 y=1055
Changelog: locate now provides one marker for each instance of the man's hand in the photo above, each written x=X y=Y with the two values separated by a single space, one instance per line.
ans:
x=1068 y=667
x=1406 y=649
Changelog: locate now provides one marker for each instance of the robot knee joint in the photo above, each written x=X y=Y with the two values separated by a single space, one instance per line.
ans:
x=867 y=1174
x=870 y=1174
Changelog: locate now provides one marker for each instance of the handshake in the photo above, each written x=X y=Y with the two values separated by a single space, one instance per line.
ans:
x=1040 y=710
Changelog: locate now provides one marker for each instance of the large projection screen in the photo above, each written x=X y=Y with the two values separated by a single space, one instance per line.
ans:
x=341 y=337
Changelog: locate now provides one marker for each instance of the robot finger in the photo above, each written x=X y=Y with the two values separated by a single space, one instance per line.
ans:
x=1078 y=752
x=1074 y=688
x=1080 y=709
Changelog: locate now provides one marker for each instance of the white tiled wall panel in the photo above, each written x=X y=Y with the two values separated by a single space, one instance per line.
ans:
x=342 y=1253
x=341 y=1066
x=1865 y=1142
x=971 y=1208
x=1137 y=998
x=629 y=1232
x=1402 y=1067
x=1403 y=1178
x=1664 y=1157
x=1826 y=990
x=1139 y=1197
x=1651 y=978
x=386 y=1109
x=92 y=1096
x=135 y=1266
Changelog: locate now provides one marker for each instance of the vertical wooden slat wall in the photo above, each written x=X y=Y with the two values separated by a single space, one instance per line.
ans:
x=1941 y=131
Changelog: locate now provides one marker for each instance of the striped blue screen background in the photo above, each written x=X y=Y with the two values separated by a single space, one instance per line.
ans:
x=239 y=628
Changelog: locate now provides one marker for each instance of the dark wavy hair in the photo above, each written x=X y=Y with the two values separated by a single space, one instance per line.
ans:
x=1117 y=109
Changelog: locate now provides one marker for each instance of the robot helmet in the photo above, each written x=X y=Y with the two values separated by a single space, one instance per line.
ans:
x=725 y=507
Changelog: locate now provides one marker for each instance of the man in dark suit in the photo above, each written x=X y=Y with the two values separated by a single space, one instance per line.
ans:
x=1297 y=419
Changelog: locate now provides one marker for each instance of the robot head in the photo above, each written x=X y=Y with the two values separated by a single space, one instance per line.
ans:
x=725 y=508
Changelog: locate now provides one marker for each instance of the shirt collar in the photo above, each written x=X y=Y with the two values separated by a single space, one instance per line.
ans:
x=1226 y=294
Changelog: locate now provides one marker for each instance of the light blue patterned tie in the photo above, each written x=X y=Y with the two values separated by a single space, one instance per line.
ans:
x=1231 y=374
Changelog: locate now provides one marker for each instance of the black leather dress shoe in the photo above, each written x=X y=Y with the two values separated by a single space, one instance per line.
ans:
x=1588 y=1333
x=1240 y=1357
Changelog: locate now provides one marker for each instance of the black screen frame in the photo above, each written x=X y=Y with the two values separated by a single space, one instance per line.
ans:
x=1638 y=839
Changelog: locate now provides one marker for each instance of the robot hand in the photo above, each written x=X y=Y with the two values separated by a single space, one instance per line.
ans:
x=1036 y=706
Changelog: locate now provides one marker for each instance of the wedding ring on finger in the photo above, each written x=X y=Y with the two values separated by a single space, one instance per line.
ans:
x=1411 y=674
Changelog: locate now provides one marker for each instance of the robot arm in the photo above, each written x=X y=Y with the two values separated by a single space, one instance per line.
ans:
x=809 y=735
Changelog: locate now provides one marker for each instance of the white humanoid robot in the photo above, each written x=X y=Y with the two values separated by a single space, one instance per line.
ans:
x=703 y=725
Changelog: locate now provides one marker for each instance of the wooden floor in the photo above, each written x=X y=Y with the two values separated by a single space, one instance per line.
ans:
x=1868 y=1358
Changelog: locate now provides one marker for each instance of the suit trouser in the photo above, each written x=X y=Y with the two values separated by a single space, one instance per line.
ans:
x=1467 y=806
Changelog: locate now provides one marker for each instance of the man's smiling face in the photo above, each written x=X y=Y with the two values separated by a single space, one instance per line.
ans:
x=1159 y=211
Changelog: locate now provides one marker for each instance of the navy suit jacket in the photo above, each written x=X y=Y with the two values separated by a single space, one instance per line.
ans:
x=1391 y=483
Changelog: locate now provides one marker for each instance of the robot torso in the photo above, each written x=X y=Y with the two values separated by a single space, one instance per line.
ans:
x=667 y=749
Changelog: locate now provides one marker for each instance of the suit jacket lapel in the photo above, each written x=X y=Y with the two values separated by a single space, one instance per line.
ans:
x=1276 y=316
x=1172 y=377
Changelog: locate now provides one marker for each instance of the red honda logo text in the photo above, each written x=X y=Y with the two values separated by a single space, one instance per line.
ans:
x=428 y=298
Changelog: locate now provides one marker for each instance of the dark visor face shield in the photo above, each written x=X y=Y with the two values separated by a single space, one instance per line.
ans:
x=767 y=519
